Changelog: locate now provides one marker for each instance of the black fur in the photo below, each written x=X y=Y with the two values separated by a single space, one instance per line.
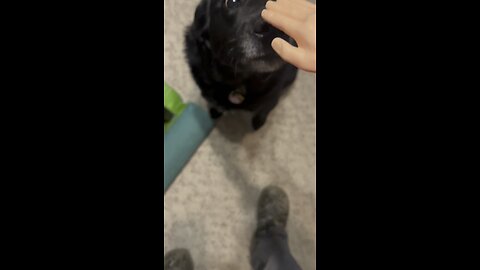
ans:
x=228 y=48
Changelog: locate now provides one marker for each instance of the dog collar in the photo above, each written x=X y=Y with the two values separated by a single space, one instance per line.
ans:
x=237 y=96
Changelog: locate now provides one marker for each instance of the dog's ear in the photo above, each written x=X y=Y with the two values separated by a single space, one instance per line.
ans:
x=202 y=17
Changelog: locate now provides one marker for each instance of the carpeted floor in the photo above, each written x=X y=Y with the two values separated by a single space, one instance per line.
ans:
x=210 y=209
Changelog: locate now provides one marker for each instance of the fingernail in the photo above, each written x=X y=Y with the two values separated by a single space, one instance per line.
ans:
x=276 y=44
x=265 y=13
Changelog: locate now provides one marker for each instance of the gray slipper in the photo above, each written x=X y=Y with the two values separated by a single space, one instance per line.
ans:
x=178 y=259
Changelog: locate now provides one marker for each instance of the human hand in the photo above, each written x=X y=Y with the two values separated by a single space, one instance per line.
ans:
x=296 y=18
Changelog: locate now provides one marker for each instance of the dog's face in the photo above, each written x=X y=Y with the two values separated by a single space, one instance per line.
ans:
x=239 y=36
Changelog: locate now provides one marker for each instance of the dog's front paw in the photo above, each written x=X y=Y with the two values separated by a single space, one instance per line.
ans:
x=258 y=121
x=214 y=114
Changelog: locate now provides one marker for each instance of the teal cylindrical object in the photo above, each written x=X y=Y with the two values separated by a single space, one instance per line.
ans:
x=182 y=140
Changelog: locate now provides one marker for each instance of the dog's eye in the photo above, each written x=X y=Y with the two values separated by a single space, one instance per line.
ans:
x=232 y=3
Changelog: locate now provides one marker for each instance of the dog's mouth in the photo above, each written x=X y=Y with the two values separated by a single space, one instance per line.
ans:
x=247 y=54
x=256 y=51
x=269 y=56
x=263 y=61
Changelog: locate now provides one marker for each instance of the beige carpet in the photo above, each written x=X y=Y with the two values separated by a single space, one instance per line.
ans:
x=210 y=209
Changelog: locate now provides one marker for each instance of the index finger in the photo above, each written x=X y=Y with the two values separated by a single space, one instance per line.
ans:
x=306 y=3
x=288 y=25
x=301 y=3
x=294 y=12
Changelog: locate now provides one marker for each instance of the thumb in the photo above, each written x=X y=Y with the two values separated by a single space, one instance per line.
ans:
x=287 y=52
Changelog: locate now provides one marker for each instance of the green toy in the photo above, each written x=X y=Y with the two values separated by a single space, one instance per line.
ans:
x=185 y=127
x=173 y=106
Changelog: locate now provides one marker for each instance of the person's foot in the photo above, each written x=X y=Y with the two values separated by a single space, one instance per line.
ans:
x=272 y=216
x=178 y=259
x=272 y=209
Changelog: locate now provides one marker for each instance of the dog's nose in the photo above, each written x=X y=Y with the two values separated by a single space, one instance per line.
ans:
x=261 y=28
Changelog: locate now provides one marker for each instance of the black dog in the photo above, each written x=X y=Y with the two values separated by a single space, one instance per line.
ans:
x=229 y=51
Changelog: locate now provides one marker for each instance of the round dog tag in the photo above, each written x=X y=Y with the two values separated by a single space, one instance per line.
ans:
x=236 y=97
